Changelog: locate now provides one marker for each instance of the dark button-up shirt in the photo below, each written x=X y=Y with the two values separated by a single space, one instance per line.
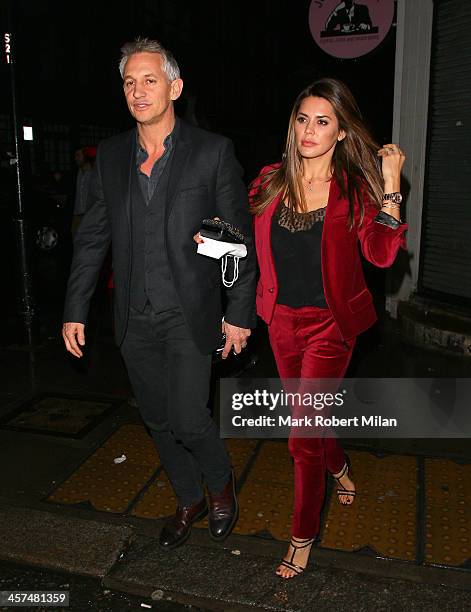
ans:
x=149 y=183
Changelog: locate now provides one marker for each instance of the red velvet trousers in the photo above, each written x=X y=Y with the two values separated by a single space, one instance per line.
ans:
x=306 y=343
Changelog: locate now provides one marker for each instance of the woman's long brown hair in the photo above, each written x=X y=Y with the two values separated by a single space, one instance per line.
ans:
x=355 y=164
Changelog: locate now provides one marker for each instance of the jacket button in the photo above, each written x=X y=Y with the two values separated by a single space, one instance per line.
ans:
x=271 y=290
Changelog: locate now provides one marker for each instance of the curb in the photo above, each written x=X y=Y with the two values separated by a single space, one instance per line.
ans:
x=432 y=327
x=77 y=543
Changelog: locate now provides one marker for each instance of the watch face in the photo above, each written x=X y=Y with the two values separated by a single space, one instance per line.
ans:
x=396 y=197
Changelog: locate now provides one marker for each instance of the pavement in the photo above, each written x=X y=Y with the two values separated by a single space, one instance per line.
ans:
x=66 y=506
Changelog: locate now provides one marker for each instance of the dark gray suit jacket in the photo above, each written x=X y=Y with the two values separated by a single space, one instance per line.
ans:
x=205 y=181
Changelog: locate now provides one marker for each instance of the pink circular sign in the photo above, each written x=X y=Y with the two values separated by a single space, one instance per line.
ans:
x=350 y=29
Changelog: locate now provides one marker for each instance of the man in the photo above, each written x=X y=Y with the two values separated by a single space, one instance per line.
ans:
x=84 y=158
x=349 y=17
x=150 y=190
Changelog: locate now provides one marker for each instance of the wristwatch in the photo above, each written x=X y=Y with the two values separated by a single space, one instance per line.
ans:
x=395 y=197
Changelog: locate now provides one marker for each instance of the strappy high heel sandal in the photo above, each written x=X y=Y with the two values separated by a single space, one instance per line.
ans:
x=297 y=544
x=343 y=491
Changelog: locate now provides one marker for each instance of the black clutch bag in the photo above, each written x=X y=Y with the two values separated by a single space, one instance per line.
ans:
x=221 y=231
x=217 y=354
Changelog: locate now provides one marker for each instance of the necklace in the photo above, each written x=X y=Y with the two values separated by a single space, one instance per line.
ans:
x=309 y=184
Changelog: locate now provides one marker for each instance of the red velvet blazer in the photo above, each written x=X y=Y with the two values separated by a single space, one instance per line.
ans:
x=345 y=289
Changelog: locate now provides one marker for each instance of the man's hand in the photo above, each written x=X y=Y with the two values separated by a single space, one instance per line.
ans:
x=235 y=337
x=198 y=238
x=74 y=334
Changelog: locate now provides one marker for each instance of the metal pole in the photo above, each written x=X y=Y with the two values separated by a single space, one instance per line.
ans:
x=26 y=304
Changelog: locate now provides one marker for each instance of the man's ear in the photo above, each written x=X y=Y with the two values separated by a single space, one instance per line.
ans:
x=176 y=89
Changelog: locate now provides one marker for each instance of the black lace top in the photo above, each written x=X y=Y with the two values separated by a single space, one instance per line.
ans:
x=296 y=246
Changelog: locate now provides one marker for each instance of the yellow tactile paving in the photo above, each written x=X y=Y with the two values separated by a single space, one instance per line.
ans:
x=447 y=539
x=240 y=452
x=447 y=512
x=265 y=508
x=108 y=486
x=273 y=464
x=159 y=500
x=383 y=515
x=447 y=483
x=266 y=499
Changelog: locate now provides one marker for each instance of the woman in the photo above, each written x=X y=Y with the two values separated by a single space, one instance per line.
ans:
x=333 y=189
x=310 y=211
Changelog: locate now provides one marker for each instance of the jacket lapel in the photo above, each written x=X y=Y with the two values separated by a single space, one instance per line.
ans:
x=333 y=201
x=178 y=165
x=128 y=164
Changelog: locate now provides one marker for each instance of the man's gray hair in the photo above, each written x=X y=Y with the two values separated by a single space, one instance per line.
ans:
x=147 y=45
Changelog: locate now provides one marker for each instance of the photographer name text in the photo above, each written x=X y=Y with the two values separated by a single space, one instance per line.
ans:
x=315 y=421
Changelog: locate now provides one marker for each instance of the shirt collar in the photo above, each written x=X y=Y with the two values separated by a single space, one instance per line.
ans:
x=168 y=141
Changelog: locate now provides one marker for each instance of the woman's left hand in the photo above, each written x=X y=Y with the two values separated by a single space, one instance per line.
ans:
x=392 y=161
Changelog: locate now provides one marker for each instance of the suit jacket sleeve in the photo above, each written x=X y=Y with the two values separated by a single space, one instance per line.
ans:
x=91 y=244
x=380 y=242
x=232 y=206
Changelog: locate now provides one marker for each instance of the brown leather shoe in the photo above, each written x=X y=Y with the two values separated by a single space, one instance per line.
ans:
x=223 y=511
x=177 y=530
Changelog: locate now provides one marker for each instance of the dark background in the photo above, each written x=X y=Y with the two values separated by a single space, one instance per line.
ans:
x=243 y=63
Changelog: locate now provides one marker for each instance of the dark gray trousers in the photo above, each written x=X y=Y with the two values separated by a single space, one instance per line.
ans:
x=170 y=379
